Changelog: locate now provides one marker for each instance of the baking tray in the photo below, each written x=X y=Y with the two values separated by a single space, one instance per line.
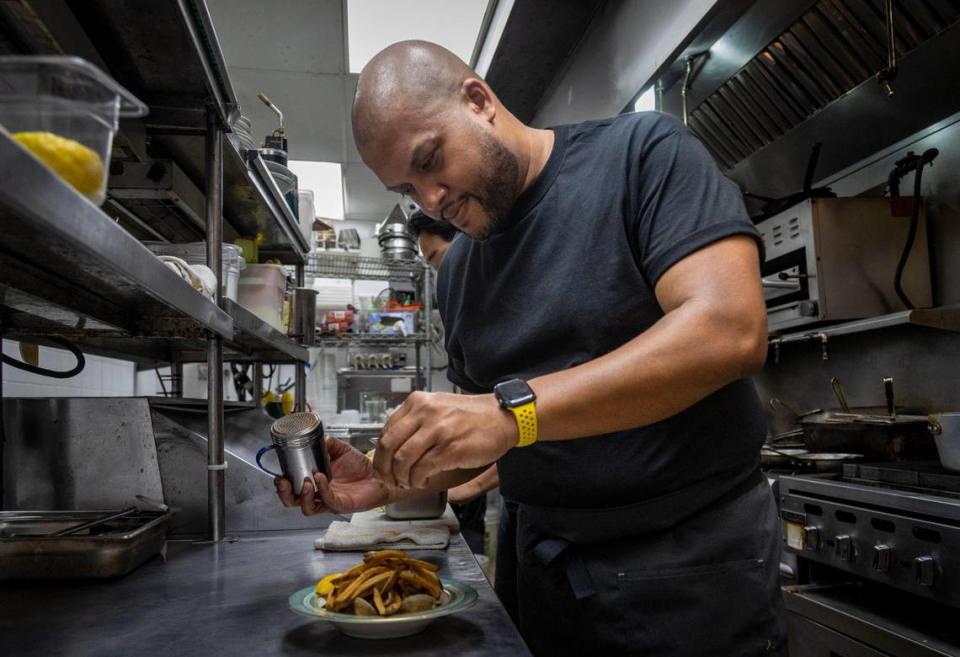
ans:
x=28 y=550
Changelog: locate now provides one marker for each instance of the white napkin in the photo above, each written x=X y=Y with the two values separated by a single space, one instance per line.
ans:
x=348 y=537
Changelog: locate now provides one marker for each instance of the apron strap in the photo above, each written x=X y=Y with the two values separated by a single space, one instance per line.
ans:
x=550 y=549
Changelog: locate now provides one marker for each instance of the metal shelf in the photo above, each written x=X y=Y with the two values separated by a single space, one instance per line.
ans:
x=158 y=199
x=335 y=265
x=364 y=340
x=259 y=341
x=168 y=55
x=945 y=318
x=66 y=267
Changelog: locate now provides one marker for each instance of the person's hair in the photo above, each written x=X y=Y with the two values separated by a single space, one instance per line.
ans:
x=421 y=223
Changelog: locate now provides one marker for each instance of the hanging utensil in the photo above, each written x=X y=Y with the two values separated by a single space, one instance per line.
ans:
x=840 y=393
x=888 y=391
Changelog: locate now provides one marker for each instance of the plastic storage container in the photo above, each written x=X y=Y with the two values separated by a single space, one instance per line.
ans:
x=195 y=253
x=306 y=212
x=261 y=291
x=64 y=110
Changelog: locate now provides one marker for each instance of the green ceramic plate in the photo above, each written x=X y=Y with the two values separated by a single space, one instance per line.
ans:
x=457 y=596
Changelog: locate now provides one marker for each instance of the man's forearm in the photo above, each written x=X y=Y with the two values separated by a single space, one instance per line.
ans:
x=687 y=355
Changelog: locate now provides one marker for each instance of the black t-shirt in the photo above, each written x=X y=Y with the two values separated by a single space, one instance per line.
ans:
x=571 y=278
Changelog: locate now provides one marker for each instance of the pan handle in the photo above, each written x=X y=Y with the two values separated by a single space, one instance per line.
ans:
x=840 y=393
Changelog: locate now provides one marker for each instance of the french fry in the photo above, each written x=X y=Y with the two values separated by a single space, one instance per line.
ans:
x=348 y=594
x=385 y=554
x=426 y=574
x=421 y=582
x=426 y=565
x=381 y=582
x=389 y=583
x=378 y=603
x=370 y=585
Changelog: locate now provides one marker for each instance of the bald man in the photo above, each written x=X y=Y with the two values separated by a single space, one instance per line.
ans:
x=606 y=313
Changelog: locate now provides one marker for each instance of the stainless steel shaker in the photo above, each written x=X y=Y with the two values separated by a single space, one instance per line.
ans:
x=299 y=443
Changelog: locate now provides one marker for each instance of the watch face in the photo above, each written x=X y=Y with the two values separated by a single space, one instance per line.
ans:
x=515 y=392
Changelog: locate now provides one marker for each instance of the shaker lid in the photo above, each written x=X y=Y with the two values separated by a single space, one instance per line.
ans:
x=296 y=425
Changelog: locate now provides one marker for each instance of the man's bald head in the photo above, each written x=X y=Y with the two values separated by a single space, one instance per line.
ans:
x=429 y=128
x=408 y=75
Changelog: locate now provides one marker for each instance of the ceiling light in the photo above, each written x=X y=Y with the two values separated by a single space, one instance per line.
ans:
x=326 y=181
x=372 y=25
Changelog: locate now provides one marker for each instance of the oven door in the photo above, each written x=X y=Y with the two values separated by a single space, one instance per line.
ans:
x=810 y=639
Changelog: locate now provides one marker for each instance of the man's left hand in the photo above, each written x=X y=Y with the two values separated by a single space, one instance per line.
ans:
x=435 y=432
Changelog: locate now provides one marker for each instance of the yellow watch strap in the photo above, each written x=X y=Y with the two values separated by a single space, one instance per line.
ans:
x=526 y=416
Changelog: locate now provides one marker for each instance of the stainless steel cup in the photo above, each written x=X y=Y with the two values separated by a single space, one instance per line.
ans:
x=299 y=443
x=303 y=322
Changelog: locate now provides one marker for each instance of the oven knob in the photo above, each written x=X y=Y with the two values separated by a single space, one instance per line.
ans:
x=923 y=570
x=811 y=537
x=882 y=558
x=808 y=308
x=844 y=546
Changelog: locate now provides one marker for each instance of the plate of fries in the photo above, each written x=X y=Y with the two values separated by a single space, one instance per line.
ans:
x=388 y=595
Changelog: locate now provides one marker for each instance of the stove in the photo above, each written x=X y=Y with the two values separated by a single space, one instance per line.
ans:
x=897 y=524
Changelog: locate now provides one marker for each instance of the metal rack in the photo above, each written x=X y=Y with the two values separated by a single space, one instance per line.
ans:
x=68 y=269
x=336 y=265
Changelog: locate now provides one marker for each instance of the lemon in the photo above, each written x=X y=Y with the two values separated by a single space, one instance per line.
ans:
x=78 y=165
x=325 y=585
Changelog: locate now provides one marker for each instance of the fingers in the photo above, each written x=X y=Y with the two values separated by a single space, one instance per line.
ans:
x=429 y=465
x=401 y=411
x=391 y=440
x=310 y=505
x=410 y=453
x=285 y=491
x=323 y=491
x=336 y=447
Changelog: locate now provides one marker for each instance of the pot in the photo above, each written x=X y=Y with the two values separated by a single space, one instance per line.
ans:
x=804 y=461
x=779 y=458
x=946 y=430
x=876 y=436
x=825 y=461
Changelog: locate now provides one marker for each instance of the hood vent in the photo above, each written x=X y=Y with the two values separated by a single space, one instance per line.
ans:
x=832 y=48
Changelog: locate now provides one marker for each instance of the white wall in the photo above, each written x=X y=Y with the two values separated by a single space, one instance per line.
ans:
x=102 y=377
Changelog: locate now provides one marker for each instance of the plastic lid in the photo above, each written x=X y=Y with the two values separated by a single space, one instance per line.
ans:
x=81 y=77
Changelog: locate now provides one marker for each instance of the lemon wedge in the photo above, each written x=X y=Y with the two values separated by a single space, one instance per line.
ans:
x=325 y=585
x=78 y=165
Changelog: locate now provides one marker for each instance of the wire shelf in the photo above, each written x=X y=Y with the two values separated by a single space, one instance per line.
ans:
x=336 y=265
x=371 y=340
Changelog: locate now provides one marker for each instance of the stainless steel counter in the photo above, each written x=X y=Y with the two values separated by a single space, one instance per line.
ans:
x=231 y=599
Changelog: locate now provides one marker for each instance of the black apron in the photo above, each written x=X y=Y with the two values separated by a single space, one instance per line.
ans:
x=616 y=582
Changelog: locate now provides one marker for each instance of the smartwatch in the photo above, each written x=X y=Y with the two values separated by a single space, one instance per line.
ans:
x=518 y=397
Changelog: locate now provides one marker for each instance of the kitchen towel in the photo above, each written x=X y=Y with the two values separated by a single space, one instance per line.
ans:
x=349 y=537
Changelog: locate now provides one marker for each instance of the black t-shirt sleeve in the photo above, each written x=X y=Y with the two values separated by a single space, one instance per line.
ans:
x=685 y=202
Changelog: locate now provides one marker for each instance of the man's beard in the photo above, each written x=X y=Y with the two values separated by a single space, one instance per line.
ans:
x=500 y=184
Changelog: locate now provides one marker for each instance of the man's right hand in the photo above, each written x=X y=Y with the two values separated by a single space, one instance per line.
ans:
x=352 y=485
